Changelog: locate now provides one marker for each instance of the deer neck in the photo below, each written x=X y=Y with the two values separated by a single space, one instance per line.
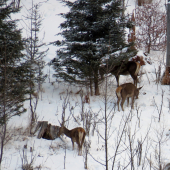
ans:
x=67 y=132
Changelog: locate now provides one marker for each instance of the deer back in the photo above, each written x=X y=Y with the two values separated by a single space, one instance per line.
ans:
x=128 y=90
x=79 y=135
x=76 y=134
x=131 y=67
x=125 y=91
x=119 y=70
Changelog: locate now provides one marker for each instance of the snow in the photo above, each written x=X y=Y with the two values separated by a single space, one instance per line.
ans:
x=143 y=125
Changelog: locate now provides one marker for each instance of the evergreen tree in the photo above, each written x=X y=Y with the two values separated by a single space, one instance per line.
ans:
x=13 y=69
x=93 y=30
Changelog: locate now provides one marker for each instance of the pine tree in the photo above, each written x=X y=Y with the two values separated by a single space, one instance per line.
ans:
x=93 y=30
x=13 y=70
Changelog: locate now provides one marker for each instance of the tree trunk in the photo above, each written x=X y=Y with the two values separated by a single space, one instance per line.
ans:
x=168 y=36
x=96 y=88
x=91 y=88
x=46 y=131
x=106 y=128
x=166 y=77
x=96 y=82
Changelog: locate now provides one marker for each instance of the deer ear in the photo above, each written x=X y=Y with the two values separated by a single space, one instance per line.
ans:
x=140 y=88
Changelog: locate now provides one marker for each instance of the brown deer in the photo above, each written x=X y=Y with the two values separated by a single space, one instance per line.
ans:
x=131 y=68
x=127 y=90
x=77 y=135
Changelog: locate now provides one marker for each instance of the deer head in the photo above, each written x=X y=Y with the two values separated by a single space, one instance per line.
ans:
x=127 y=90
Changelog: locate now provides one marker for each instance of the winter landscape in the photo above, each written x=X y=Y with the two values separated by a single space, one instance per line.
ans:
x=138 y=139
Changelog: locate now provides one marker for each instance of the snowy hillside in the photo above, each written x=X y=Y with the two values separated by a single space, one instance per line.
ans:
x=137 y=135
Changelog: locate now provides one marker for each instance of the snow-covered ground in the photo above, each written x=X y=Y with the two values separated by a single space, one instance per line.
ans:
x=142 y=126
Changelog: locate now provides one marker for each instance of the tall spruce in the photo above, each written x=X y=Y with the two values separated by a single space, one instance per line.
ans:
x=93 y=31
x=13 y=69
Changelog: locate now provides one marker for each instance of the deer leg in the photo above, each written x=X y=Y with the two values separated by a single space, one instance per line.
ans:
x=117 y=79
x=118 y=100
x=123 y=100
x=78 y=141
x=135 y=81
x=127 y=101
x=80 y=150
x=81 y=144
x=132 y=102
x=72 y=144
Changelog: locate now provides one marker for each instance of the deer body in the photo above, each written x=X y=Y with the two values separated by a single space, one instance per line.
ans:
x=127 y=90
x=131 y=68
x=77 y=135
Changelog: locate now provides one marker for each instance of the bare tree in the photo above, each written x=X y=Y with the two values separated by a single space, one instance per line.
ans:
x=34 y=57
x=157 y=155
x=166 y=76
x=120 y=133
x=16 y=3
x=108 y=114
x=151 y=27
x=161 y=105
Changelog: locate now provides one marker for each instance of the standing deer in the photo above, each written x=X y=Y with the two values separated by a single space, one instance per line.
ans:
x=77 y=135
x=124 y=91
x=131 y=68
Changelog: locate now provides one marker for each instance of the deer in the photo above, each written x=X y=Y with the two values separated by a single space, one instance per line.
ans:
x=131 y=68
x=77 y=135
x=127 y=90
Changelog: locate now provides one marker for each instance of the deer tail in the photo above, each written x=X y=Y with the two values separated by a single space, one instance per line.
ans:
x=118 y=91
x=81 y=135
x=137 y=68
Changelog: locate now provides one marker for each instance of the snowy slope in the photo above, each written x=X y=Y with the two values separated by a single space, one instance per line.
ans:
x=142 y=125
